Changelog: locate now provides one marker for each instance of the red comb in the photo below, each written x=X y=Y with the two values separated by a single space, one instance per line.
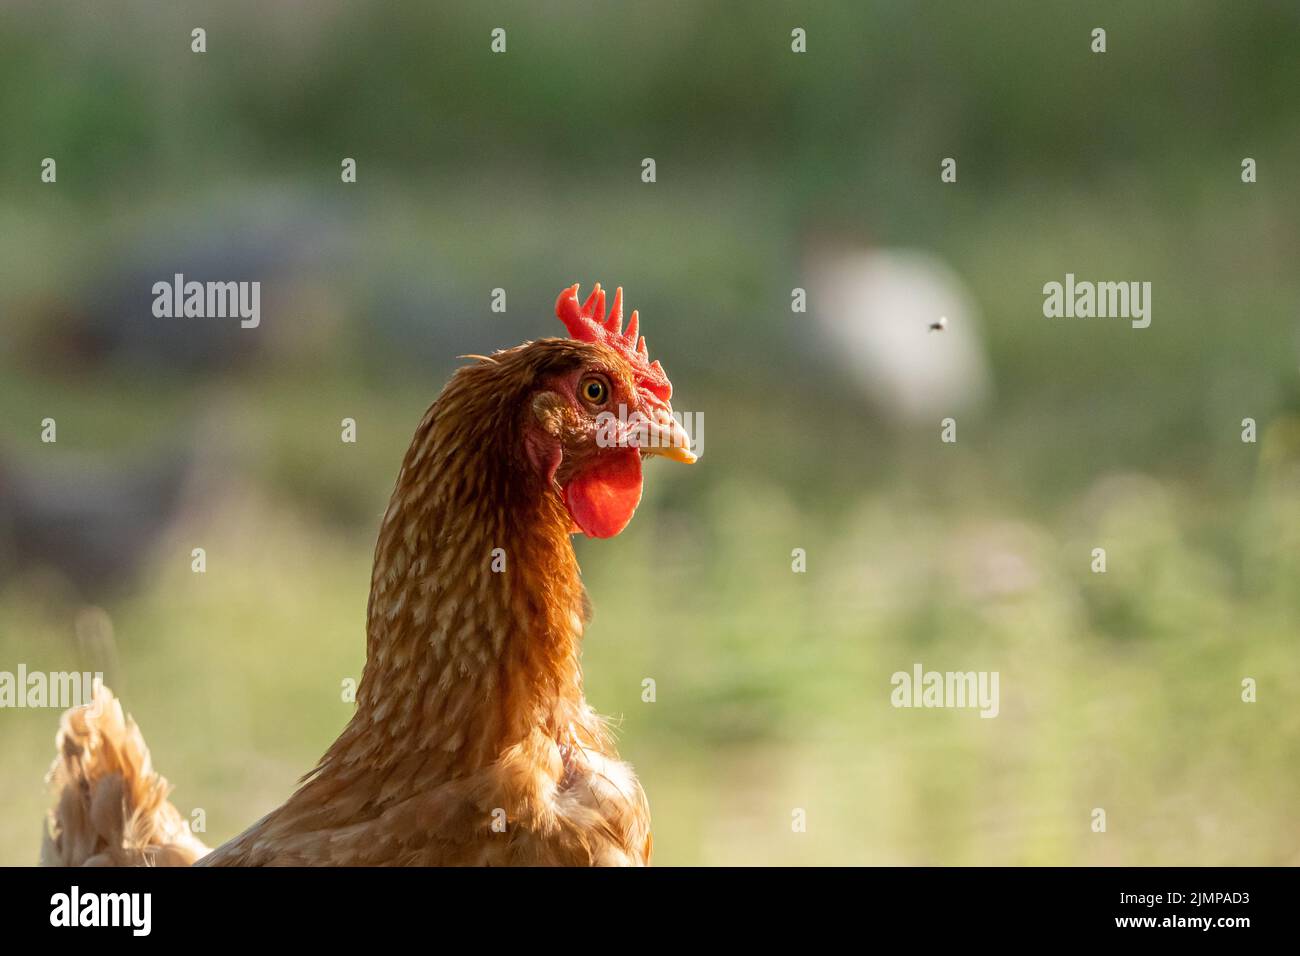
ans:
x=589 y=324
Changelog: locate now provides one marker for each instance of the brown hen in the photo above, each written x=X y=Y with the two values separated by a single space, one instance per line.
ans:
x=472 y=742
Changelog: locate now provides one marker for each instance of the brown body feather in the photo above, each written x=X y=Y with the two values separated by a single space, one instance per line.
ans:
x=472 y=742
x=111 y=807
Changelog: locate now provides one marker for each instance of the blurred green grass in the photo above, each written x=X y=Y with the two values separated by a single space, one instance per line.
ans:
x=1118 y=691
x=772 y=687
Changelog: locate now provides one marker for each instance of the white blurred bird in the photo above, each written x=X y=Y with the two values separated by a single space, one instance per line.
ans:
x=879 y=312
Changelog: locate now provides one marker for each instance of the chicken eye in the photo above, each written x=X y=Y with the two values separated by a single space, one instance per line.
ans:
x=594 y=391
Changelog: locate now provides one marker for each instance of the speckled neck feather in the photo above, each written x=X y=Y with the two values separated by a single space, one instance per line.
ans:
x=462 y=660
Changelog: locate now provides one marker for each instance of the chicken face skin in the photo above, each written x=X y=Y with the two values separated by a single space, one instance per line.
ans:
x=591 y=428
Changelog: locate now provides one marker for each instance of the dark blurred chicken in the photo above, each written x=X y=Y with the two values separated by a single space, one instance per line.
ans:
x=90 y=520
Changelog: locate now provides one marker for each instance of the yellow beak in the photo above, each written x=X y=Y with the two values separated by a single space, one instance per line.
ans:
x=667 y=438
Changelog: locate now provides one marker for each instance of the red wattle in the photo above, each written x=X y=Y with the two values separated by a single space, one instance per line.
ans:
x=603 y=498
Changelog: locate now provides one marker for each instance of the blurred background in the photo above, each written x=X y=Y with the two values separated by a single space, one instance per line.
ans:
x=775 y=171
